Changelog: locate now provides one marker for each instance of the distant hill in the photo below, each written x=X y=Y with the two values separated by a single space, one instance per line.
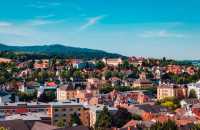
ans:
x=60 y=51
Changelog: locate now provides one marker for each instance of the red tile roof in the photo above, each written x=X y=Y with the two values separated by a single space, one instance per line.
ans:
x=51 y=84
x=131 y=123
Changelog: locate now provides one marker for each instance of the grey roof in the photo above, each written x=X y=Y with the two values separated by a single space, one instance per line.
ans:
x=74 y=128
x=42 y=126
x=152 y=108
x=17 y=124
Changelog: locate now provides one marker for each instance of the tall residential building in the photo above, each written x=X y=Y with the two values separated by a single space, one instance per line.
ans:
x=63 y=110
x=171 y=90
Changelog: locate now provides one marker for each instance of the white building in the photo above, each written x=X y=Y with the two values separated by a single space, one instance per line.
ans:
x=4 y=97
x=112 y=62
x=195 y=87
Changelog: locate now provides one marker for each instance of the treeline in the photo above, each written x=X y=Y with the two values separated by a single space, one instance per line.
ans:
x=57 y=50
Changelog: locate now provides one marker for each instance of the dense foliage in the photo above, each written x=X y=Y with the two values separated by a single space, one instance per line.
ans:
x=108 y=88
x=183 y=78
x=55 y=50
x=171 y=103
x=75 y=120
x=104 y=120
x=121 y=117
x=192 y=94
x=196 y=127
x=169 y=125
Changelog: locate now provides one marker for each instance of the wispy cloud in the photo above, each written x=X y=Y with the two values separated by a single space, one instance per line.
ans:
x=39 y=22
x=45 y=16
x=160 y=34
x=5 y=24
x=41 y=5
x=25 y=33
x=7 y=28
x=91 y=22
x=27 y=28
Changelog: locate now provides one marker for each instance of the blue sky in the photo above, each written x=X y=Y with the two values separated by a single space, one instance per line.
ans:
x=151 y=28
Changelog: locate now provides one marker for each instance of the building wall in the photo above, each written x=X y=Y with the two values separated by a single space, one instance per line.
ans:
x=93 y=116
x=181 y=92
x=141 y=85
x=113 y=62
x=164 y=92
x=63 y=95
x=21 y=109
x=63 y=112
x=178 y=92
x=85 y=117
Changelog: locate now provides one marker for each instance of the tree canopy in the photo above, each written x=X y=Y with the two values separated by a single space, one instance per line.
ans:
x=104 y=120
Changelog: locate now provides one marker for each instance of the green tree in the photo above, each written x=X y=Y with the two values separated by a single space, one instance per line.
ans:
x=124 y=65
x=136 y=117
x=121 y=117
x=168 y=125
x=170 y=102
x=192 y=94
x=52 y=63
x=31 y=64
x=196 y=127
x=123 y=88
x=104 y=120
x=77 y=74
x=156 y=126
x=106 y=89
x=65 y=75
x=100 y=65
x=61 y=123
x=108 y=74
x=74 y=119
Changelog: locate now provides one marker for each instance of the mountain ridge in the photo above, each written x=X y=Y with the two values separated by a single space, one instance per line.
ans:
x=61 y=51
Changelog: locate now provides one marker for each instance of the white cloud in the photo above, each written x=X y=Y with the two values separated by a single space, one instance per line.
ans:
x=45 y=16
x=92 y=21
x=160 y=34
x=13 y=29
x=41 y=5
x=27 y=33
x=39 y=22
x=5 y=24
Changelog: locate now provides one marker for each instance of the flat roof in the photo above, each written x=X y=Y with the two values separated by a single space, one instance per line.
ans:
x=27 y=116
x=95 y=108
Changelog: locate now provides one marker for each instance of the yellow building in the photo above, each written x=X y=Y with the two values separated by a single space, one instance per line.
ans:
x=66 y=92
x=142 y=83
x=171 y=90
